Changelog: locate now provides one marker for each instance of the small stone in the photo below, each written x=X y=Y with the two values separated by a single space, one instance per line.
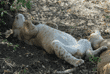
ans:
x=33 y=12
x=107 y=31
x=90 y=23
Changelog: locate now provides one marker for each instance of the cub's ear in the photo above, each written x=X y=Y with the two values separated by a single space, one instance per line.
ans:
x=97 y=32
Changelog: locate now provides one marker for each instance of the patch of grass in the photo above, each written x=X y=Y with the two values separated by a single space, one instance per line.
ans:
x=15 y=47
x=24 y=3
x=9 y=44
x=94 y=60
x=24 y=70
x=107 y=16
x=4 y=40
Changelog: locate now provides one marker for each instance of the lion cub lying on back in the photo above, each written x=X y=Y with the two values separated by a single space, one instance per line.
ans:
x=53 y=41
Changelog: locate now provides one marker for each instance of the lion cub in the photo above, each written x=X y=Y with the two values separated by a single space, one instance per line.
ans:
x=54 y=41
x=97 y=41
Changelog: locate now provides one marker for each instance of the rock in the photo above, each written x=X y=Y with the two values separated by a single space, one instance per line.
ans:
x=90 y=23
x=33 y=12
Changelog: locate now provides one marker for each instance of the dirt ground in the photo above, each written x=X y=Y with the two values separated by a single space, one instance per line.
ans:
x=27 y=59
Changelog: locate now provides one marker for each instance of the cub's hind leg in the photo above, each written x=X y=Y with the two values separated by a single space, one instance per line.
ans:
x=96 y=52
x=62 y=53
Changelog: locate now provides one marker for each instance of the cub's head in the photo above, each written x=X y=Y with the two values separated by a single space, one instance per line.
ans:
x=18 y=24
x=94 y=38
x=28 y=27
x=28 y=30
x=18 y=21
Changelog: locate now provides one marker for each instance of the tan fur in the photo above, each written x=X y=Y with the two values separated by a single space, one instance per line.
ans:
x=97 y=41
x=27 y=32
x=54 y=41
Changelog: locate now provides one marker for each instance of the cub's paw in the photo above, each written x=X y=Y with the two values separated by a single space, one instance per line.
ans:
x=103 y=48
x=79 y=62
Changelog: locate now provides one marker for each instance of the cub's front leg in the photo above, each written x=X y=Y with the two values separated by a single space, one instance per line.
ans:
x=62 y=53
x=96 y=52
x=16 y=32
x=100 y=50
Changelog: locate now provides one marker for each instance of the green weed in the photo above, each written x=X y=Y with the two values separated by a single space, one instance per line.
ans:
x=15 y=47
x=94 y=60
